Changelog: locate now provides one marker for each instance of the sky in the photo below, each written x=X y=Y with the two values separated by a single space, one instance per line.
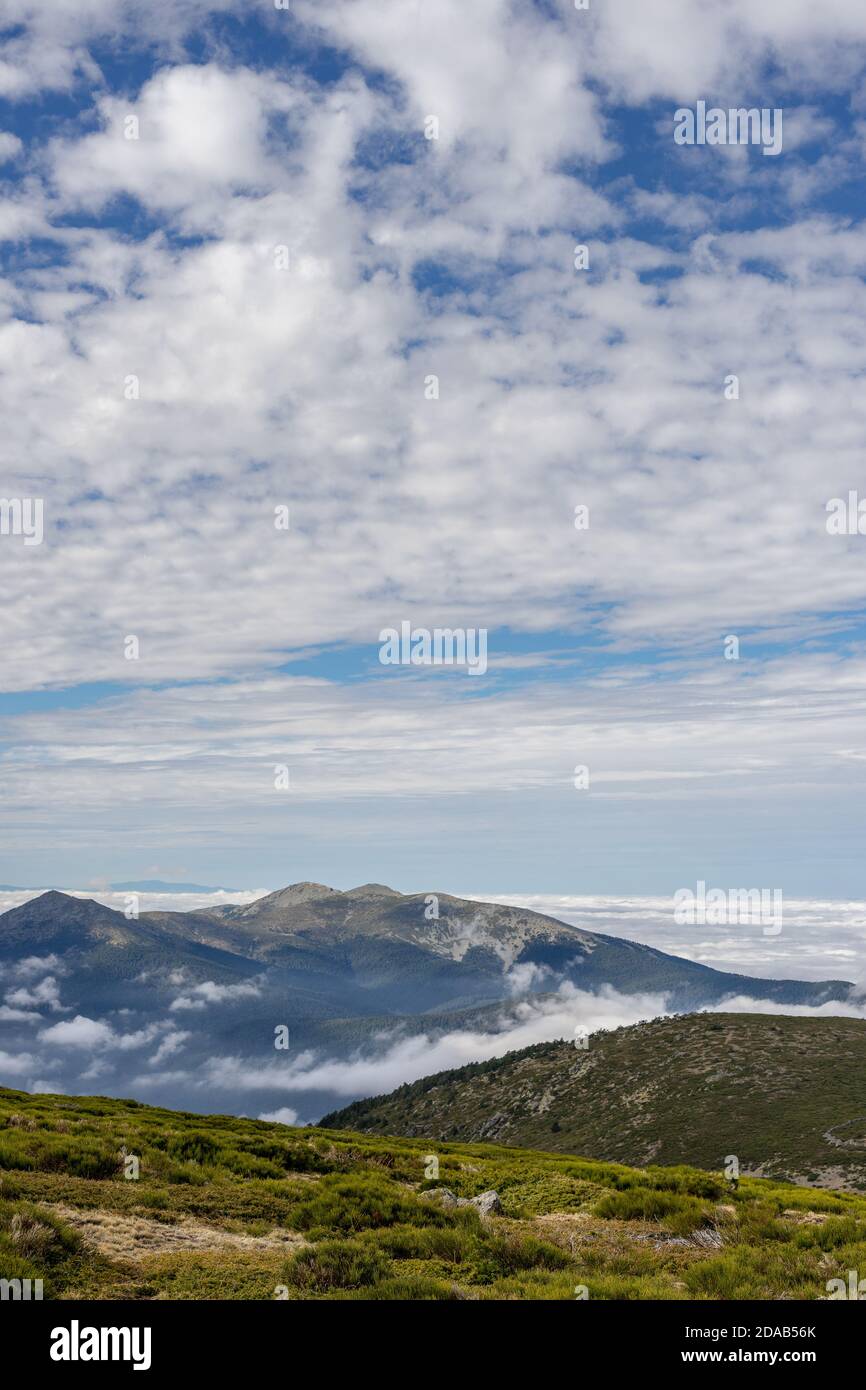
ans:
x=232 y=267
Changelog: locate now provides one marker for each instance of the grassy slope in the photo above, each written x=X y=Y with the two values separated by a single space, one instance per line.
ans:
x=233 y=1208
x=691 y=1089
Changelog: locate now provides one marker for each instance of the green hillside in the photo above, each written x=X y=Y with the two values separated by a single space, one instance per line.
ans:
x=231 y=1208
x=787 y=1096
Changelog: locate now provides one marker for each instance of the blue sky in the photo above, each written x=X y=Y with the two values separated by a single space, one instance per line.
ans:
x=153 y=260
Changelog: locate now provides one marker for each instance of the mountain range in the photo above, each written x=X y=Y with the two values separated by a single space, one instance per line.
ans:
x=184 y=1006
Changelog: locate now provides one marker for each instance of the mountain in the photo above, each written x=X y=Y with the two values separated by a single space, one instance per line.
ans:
x=378 y=938
x=194 y=999
x=787 y=1096
x=105 y=960
x=230 y=1208
x=462 y=953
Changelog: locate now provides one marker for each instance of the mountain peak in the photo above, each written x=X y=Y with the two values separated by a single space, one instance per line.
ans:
x=60 y=918
x=54 y=900
x=373 y=890
x=300 y=893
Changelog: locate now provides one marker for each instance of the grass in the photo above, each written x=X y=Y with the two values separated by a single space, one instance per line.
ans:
x=240 y=1209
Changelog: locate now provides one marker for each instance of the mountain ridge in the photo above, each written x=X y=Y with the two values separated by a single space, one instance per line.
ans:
x=305 y=917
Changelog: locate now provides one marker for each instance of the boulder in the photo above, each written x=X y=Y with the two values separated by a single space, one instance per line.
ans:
x=487 y=1204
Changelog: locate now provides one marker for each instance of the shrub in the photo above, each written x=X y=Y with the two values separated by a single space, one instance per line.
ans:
x=358 y=1202
x=194 y=1148
x=647 y=1204
x=337 y=1264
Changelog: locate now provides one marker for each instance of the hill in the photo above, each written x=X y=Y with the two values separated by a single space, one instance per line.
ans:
x=787 y=1096
x=218 y=1207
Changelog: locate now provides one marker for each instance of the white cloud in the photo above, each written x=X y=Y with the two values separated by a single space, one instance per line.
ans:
x=44 y=995
x=406 y=1059
x=193 y=131
x=284 y=1116
x=742 y=1004
x=564 y=1014
x=10 y=146
x=95 y=1035
x=86 y=1033
x=17 y=1064
x=171 y=1043
x=98 y=1068
x=159 y=1080
x=32 y=966
x=201 y=996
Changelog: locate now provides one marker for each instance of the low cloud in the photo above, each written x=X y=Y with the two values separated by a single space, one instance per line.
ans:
x=94 y=1035
x=44 y=995
x=207 y=993
x=284 y=1116
x=742 y=1004
x=17 y=1064
x=565 y=1014
x=87 y=1033
x=32 y=966
x=408 y=1058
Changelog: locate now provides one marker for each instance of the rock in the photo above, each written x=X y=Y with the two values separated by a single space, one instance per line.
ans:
x=489 y=1128
x=487 y=1204
x=446 y=1197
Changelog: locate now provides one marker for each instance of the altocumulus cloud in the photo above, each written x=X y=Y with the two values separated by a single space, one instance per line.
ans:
x=452 y=256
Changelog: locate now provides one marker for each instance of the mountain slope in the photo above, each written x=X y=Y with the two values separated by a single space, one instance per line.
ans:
x=228 y=1208
x=787 y=1096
